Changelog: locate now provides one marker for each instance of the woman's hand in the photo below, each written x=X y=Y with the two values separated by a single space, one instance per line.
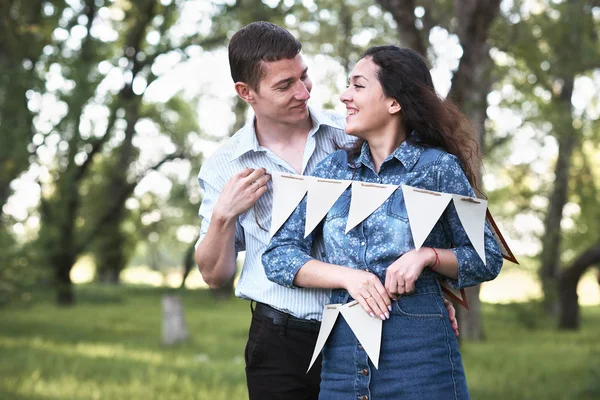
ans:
x=366 y=288
x=401 y=276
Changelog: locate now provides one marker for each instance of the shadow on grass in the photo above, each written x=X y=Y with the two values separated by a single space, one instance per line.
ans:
x=10 y=395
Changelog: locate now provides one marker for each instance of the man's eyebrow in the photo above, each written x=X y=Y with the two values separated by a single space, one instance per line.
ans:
x=282 y=81
x=289 y=79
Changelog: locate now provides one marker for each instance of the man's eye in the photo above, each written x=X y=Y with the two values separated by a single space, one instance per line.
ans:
x=358 y=86
x=305 y=77
x=284 y=87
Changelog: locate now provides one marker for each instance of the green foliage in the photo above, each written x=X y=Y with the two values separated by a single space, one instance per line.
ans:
x=19 y=273
x=109 y=347
x=541 y=52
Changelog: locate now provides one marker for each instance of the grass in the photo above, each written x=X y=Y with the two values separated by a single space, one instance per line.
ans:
x=108 y=347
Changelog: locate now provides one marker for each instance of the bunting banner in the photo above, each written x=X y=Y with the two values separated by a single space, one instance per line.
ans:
x=366 y=198
x=471 y=212
x=424 y=209
x=507 y=254
x=288 y=192
x=322 y=195
x=366 y=329
x=458 y=296
x=330 y=314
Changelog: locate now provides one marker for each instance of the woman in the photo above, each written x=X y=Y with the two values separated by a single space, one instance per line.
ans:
x=408 y=136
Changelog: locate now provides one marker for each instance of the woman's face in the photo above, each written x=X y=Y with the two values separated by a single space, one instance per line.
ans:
x=368 y=109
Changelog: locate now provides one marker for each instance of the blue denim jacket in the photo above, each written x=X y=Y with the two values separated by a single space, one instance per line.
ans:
x=385 y=235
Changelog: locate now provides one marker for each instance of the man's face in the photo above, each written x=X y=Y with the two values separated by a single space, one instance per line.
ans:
x=283 y=92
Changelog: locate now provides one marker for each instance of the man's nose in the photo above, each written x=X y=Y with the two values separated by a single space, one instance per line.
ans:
x=302 y=92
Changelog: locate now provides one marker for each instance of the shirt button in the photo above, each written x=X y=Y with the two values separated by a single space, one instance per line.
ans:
x=365 y=372
x=362 y=243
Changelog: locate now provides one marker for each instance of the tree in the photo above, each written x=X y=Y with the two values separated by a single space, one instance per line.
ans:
x=556 y=45
x=25 y=28
x=84 y=142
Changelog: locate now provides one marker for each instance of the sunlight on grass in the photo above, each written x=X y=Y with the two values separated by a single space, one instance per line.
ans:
x=108 y=347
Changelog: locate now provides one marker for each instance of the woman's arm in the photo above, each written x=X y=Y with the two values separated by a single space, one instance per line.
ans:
x=461 y=264
x=471 y=270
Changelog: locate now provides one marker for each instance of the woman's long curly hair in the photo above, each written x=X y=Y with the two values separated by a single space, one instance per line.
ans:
x=404 y=75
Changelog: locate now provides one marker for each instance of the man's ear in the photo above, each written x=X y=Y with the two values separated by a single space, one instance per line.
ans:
x=244 y=91
x=394 y=106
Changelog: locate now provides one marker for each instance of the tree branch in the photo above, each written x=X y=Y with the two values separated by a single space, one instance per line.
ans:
x=403 y=12
x=120 y=198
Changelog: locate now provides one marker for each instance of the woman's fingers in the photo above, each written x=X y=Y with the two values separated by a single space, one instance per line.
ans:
x=365 y=305
x=391 y=284
x=377 y=303
x=409 y=285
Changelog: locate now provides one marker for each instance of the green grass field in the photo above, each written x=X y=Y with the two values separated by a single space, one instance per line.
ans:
x=108 y=347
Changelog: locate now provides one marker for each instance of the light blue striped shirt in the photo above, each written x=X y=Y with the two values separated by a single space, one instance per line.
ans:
x=243 y=150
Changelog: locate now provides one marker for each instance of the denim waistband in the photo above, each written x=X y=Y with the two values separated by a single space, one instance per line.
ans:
x=423 y=285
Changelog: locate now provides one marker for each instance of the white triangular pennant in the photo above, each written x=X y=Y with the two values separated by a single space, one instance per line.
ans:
x=288 y=191
x=471 y=212
x=322 y=194
x=366 y=198
x=366 y=329
x=330 y=314
x=424 y=208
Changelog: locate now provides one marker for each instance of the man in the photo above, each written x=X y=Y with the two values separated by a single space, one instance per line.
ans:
x=287 y=136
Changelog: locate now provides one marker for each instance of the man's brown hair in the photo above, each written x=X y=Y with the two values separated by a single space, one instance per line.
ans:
x=256 y=43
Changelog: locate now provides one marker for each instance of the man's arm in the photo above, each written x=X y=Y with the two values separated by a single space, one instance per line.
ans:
x=216 y=253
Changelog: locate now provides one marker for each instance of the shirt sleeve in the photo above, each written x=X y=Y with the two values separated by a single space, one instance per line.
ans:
x=471 y=269
x=289 y=250
x=212 y=185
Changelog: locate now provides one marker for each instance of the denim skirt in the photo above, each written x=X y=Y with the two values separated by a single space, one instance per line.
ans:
x=419 y=358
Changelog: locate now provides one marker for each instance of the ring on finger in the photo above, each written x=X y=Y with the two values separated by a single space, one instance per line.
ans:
x=367 y=297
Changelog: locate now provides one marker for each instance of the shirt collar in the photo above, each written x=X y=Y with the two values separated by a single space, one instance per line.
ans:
x=247 y=135
x=247 y=140
x=407 y=153
x=320 y=118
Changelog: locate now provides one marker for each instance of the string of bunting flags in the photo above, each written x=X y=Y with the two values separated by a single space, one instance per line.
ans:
x=424 y=208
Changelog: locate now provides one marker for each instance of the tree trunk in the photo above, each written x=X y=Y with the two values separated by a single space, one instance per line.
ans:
x=188 y=263
x=569 y=316
x=62 y=263
x=471 y=321
x=550 y=256
x=174 y=327
x=109 y=275
x=470 y=86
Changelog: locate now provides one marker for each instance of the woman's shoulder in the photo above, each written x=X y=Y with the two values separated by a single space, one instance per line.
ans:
x=439 y=158
x=334 y=166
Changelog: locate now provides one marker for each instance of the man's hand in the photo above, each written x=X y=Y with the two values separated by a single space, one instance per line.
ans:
x=452 y=315
x=241 y=192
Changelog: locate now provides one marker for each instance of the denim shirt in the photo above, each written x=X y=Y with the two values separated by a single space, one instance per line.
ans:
x=385 y=235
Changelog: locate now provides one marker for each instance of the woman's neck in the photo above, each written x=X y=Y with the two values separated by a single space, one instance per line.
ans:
x=384 y=144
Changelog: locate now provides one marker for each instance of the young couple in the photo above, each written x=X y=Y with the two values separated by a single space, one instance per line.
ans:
x=406 y=135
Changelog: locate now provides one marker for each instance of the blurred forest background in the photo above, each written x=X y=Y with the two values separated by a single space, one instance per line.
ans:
x=108 y=107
